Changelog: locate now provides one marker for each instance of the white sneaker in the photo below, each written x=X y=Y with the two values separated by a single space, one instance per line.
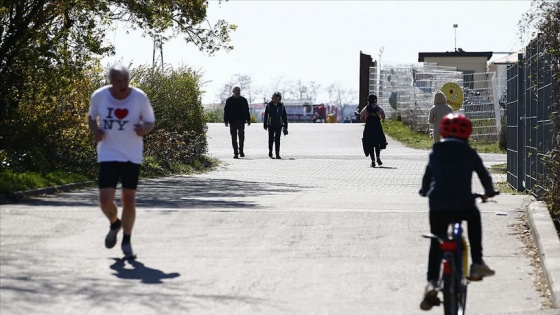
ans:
x=479 y=271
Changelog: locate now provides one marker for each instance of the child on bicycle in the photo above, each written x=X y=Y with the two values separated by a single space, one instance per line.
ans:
x=447 y=183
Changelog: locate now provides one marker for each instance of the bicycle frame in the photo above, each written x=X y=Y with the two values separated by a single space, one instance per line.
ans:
x=454 y=276
x=453 y=281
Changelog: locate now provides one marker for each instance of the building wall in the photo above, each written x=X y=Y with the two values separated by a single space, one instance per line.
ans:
x=474 y=65
x=366 y=78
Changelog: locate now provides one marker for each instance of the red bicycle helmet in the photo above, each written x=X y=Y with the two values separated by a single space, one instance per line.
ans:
x=455 y=125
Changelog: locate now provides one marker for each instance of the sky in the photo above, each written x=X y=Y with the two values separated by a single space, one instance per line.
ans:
x=278 y=42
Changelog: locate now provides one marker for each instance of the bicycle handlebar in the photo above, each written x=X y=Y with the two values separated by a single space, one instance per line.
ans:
x=476 y=195
x=485 y=197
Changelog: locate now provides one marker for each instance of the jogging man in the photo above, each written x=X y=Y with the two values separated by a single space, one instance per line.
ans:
x=119 y=116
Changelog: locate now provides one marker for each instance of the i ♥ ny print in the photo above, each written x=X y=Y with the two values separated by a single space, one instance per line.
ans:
x=121 y=113
x=109 y=121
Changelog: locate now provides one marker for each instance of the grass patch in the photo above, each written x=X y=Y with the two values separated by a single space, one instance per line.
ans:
x=419 y=140
x=505 y=188
x=11 y=182
x=487 y=147
x=498 y=168
x=410 y=138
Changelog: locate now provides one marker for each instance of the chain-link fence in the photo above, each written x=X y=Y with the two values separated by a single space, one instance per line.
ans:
x=530 y=91
x=407 y=90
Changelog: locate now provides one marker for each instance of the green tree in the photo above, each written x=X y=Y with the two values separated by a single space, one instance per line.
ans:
x=49 y=66
x=39 y=35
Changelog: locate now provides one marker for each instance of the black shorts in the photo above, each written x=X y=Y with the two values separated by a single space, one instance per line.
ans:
x=110 y=173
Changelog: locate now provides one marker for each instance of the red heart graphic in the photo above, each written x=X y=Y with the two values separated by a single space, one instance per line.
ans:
x=121 y=113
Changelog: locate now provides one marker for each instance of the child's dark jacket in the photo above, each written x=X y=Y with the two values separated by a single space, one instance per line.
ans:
x=448 y=177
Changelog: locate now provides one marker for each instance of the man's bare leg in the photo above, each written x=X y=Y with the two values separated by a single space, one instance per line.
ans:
x=129 y=209
x=108 y=204
x=110 y=209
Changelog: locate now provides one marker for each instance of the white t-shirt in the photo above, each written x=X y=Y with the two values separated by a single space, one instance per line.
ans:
x=117 y=119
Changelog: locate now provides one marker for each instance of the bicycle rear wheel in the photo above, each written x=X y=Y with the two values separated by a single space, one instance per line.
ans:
x=462 y=297
x=454 y=295
x=449 y=296
x=451 y=291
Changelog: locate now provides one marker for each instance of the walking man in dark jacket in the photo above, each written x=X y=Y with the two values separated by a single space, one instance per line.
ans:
x=275 y=121
x=236 y=113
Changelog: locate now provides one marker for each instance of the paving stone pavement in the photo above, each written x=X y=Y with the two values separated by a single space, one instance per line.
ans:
x=318 y=232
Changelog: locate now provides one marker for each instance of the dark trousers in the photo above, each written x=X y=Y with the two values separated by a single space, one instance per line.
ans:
x=377 y=151
x=237 y=128
x=274 y=138
x=439 y=222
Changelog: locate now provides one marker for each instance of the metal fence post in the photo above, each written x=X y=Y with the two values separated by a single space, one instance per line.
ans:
x=521 y=123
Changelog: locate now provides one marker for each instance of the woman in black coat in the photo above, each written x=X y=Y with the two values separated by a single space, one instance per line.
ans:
x=275 y=121
x=373 y=138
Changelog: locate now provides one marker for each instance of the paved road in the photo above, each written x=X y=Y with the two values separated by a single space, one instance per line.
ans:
x=318 y=232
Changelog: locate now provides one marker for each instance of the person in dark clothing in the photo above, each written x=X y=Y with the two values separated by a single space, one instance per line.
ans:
x=236 y=113
x=275 y=121
x=373 y=139
x=447 y=183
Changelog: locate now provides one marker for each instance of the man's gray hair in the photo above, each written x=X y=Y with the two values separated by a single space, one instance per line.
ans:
x=117 y=69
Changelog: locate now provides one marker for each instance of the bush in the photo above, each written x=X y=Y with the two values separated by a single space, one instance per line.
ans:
x=49 y=132
x=49 y=129
x=180 y=133
x=214 y=115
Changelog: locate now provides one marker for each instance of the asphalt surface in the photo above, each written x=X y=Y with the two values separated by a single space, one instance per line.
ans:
x=318 y=232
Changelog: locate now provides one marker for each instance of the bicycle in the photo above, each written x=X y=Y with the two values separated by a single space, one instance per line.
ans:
x=454 y=277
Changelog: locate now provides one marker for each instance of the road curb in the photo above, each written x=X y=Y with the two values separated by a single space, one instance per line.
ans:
x=548 y=244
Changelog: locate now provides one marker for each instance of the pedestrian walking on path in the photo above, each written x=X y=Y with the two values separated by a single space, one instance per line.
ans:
x=373 y=139
x=125 y=115
x=276 y=122
x=236 y=114
x=447 y=182
x=437 y=112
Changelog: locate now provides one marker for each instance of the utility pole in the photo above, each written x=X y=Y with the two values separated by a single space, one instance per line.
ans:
x=158 y=45
x=379 y=66
x=455 y=27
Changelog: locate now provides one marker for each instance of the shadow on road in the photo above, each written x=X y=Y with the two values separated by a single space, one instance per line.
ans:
x=139 y=272
x=181 y=193
x=207 y=193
